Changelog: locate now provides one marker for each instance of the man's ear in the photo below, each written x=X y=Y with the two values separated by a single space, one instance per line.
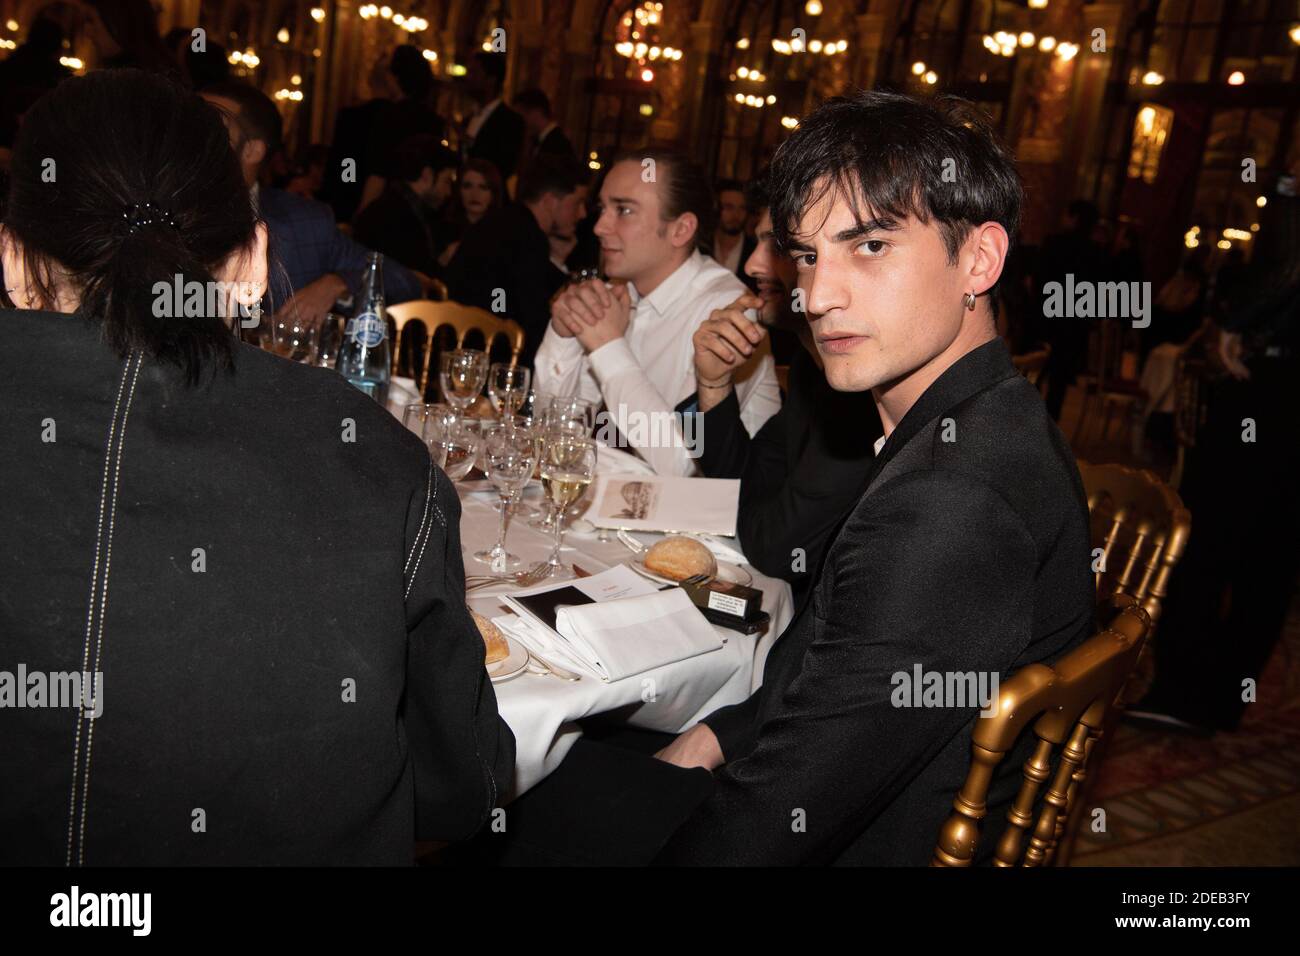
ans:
x=246 y=268
x=985 y=256
x=684 y=228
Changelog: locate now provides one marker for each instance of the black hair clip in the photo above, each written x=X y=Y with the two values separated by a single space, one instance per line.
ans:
x=146 y=214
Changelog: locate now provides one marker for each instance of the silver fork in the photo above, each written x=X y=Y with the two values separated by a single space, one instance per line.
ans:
x=521 y=578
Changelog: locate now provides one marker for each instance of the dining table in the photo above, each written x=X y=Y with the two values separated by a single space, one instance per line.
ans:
x=543 y=710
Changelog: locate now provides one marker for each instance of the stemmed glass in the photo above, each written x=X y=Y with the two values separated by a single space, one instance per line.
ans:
x=462 y=374
x=507 y=387
x=461 y=443
x=293 y=336
x=568 y=467
x=431 y=423
x=509 y=456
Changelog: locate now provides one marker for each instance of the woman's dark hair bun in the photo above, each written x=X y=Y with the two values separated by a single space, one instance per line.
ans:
x=123 y=181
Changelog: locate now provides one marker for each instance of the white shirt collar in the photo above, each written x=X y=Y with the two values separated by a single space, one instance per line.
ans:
x=547 y=131
x=880 y=443
x=666 y=293
x=255 y=194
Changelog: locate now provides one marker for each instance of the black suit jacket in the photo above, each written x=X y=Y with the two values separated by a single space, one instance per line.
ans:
x=402 y=227
x=507 y=250
x=555 y=143
x=311 y=679
x=799 y=475
x=969 y=555
x=500 y=140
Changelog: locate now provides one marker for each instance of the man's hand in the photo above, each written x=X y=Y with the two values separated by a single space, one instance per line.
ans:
x=592 y=313
x=698 y=747
x=724 y=342
x=1230 y=355
x=315 y=299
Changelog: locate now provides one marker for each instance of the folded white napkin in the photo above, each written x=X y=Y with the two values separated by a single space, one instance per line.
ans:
x=537 y=640
x=618 y=639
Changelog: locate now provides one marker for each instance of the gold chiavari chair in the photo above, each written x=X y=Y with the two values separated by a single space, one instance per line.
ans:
x=1109 y=383
x=1031 y=364
x=462 y=319
x=1069 y=704
x=1141 y=528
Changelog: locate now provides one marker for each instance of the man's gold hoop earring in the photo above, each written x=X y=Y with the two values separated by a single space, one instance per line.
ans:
x=968 y=300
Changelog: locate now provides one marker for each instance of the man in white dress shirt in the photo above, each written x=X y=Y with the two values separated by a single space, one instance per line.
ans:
x=629 y=345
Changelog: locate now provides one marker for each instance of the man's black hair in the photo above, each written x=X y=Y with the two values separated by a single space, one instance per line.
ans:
x=420 y=151
x=258 y=117
x=412 y=70
x=493 y=66
x=758 y=194
x=557 y=175
x=727 y=186
x=533 y=99
x=890 y=156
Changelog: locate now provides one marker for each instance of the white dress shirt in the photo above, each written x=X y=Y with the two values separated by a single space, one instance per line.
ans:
x=642 y=377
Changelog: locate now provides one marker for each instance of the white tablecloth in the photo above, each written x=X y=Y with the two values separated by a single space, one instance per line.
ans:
x=542 y=710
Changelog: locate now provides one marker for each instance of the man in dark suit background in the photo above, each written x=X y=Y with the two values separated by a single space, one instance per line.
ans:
x=967 y=555
x=495 y=132
x=732 y=245
x=544 y=136
x=402 y=222
x=504 y=262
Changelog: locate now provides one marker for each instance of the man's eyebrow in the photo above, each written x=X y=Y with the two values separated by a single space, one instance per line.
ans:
x=865 y=229
x=793 y=245
x=624 y=201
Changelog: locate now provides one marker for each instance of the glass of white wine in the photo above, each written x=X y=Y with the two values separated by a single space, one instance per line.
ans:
x=507 y=387
x=568 y=467
x=462 y=374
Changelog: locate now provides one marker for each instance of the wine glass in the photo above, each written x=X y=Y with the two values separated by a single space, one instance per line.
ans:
x=293 y=336
x=568 y=468
x=507 y=387
x=329 y=340
x=461 y=443
x=462 y=373
x=572 y=408
x=509 y=454
x=416 y=414
x=545 y=521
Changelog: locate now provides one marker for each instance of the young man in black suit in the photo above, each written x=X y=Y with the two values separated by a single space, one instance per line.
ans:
x=966 y=556
x=968 y=552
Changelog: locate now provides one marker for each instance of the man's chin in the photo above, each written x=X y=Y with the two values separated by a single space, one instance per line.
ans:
x=849 y=373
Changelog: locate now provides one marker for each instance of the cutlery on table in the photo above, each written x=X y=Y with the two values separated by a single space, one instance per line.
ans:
x=520 y=578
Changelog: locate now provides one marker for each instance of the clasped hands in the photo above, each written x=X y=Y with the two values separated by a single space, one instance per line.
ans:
x=591 y=312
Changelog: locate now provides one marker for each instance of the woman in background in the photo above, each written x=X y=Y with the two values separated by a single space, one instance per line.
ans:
x=478 y=192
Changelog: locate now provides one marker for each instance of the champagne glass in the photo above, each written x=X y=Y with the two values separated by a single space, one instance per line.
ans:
x=507 y=387
x=552 y=428
x=462 y=374
x=567 y=470
x=462 y=444
x=510 y=454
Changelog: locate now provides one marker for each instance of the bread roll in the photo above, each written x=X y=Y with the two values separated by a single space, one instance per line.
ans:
x=679 y=558
x=493 y=640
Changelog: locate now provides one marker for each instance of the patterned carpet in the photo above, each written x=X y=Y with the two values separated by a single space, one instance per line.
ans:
x=1230 y=800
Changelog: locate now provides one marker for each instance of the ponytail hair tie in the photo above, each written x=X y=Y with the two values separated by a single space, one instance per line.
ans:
x=146 y=214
